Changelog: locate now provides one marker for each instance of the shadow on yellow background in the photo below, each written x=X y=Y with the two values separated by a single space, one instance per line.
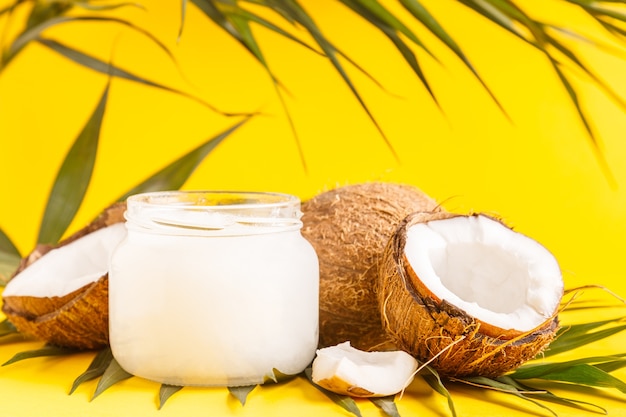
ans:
x=535 y=166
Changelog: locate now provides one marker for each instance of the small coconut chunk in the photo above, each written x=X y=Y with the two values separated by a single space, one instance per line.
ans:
x=68 y=267
x=346 y=370
x=481 y=266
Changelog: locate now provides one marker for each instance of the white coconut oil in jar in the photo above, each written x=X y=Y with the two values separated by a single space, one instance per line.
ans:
x=213 y=288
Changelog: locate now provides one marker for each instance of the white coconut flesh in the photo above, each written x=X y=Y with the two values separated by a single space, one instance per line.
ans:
x=68 y=267
x=493 y=273
x=347 y=370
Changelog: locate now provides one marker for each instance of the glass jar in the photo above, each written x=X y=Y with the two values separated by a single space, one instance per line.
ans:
x=213 y=288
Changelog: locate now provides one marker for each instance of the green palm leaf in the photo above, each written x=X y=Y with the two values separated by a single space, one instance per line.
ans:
x=174 y=175
x=166 y=391
x=598 y=11
x=509 y=16
x=241 y=392
x=103 y=7
x=379 y=16
x=393 y=29
x=183 y=15
x=9 y=258
x=387 y=405
x=113 y=374
x=427 y=19
x=544 y=395
x=31 y=34
x=578 y=335
x=47 y=350
x=98 y=65
x=42 y=12
x=227 y=16
x=9 y=9
x=301 y=17
x=509 y=385
x=574 y=373
x=236 y=22
x=96 y=368
x=580 y=65
x=504 y=387
x=7 y=328
x=251 y=17
x=7 y=247
x=433 y=379
x=344 y=401
x=73 y=178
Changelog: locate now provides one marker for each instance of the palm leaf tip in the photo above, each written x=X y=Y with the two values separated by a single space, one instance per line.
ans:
x=241 y=392
x=174 y=175
x=73 y=178
x=166 y=391
x=113 y=374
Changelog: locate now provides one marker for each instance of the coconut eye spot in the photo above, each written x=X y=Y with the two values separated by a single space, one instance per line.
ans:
x=493 y=273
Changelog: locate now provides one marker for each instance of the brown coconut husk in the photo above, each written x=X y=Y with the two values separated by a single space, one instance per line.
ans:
x=76 y=320
x=81 y=322
x=349 y=228
x=438 y=332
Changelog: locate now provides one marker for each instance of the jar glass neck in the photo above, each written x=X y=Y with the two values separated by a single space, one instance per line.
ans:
x=213 y=212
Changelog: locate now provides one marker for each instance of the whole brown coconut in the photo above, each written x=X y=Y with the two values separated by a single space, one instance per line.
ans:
x=349 y=228
x=76 y=319
x=480 y=264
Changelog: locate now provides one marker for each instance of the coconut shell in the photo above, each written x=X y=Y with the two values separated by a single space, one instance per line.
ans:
x=349 y=228
x=341 y=387
x=32 y=307
x=81 y=323
x=435 y=331
x=78 y=319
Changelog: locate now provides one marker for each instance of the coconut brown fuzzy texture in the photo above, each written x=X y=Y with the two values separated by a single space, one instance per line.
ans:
x=349 y=228
x=435 y=331
x=81 y=322
x=76 y=320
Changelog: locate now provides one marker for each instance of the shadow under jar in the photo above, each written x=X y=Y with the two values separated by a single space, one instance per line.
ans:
x=213 y=288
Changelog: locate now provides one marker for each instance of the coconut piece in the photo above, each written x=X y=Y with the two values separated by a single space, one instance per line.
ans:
x=348 y=371
x=81 y=323
x=349 y=228
x=471 y=286
x=60 y=293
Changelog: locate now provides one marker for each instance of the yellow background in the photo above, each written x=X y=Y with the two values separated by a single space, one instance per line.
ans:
x=536 y=169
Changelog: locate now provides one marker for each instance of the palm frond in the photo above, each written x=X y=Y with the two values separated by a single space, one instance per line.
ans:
x=7 y=246
x=394 y=29
x=300 y=15
x=73 y=177
x=239 y=22
x=9 y=258
x=98 y=65
x=32 y=33
x=175 y=174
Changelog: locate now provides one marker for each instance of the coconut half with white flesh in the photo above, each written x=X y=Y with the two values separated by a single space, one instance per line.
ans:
x=60 y=293
x=468 y=293
x=346 y=370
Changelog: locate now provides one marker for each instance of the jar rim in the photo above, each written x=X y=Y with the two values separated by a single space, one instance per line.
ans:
x=213 y=211
x=198 y=198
